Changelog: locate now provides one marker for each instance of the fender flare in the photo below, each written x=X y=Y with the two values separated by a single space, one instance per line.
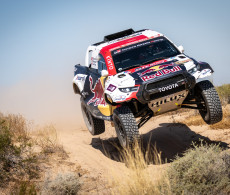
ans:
x=204 y=65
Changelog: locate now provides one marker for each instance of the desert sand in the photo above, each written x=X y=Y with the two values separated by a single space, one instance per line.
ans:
x=99 y=155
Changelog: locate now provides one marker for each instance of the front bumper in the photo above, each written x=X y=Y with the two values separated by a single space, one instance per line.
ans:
x=163 y=87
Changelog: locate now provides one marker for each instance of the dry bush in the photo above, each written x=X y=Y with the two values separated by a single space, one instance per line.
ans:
x=196 y=120
x=63 y=184
x=138 y=178
x=17 y=160
x=224 y=93
x=18 y=126
x=202 y=170
x=24 y=188
x=46 y=139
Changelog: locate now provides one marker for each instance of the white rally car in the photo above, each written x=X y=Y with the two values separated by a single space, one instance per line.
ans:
x=137 y=75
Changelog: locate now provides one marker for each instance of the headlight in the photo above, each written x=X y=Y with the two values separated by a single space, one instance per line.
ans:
x=192 y=70
x=128 y=89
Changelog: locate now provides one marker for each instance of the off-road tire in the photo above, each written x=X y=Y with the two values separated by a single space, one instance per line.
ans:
x=125 y=126
x=94 y=125
x=212 y=112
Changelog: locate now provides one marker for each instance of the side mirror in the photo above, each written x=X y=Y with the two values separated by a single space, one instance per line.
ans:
x=104 y=73
x=181 y=49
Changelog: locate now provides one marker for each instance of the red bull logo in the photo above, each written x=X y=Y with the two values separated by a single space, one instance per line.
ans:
x=98 y=92
x=155 y=68
x=161 y=73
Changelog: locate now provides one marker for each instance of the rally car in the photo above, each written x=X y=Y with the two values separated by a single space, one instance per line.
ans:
x=132 y=76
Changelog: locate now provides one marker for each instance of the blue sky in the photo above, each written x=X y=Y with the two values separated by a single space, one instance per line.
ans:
x=40 y=41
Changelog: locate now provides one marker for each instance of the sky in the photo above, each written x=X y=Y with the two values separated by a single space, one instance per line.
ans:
x=41 y=41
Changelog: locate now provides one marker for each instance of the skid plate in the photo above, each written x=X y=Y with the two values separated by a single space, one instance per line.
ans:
x=168 y=103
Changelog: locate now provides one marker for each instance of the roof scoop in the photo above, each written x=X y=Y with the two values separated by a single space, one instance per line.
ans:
x=119 y=34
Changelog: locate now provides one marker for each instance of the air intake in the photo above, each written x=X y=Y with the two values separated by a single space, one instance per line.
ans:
x=119 y=34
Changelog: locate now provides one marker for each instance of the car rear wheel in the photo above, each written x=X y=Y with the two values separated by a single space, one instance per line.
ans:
x=125 y=126
x=94 y=125
x=211 y=109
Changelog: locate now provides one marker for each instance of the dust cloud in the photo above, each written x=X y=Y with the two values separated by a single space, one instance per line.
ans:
x=44 y=99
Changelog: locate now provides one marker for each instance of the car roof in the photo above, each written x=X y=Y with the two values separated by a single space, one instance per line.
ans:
x=124 y=38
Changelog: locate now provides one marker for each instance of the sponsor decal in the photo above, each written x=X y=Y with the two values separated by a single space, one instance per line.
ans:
x=81 y=78
x=120 y=98
x=117 y=51
x=98 y=92
x=111 y=88
x=168 y=87
x=135 y=45
x=168 y=99
x=161 y=73
x=93 y=62
x=127 y=44
x=183 y=61
x=152 y=64
x=154 y=69
x=109 y=62
x=205 y=71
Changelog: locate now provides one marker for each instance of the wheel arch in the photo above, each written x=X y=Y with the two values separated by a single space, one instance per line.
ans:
x=76 y=88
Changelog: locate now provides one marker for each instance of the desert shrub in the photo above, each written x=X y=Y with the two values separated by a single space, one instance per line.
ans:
x=22 y=150
x=24 y=188
x=6 y=150
x=18 y=127
x=16 y=157
x=63 y=184
x=137 y=178
x=46 y=139
x=5 y=139
x=202 y=170
x=224 y=93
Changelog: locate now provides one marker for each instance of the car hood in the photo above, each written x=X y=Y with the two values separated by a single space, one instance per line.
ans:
x=160 y=69
x=149 y=73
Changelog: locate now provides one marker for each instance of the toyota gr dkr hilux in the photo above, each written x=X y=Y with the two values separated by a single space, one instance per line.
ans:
x=132 y=76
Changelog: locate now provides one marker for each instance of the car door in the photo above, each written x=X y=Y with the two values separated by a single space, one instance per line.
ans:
x=94 y=87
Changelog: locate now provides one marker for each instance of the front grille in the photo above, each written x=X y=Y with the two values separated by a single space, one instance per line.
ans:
x=164 y=82
x=165 y=93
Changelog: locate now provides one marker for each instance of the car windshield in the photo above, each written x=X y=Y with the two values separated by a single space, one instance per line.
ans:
x=143 y=53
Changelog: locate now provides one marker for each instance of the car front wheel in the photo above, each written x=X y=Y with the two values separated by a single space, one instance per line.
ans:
x=211 y=109
x=125 y=126
x=94 y=125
